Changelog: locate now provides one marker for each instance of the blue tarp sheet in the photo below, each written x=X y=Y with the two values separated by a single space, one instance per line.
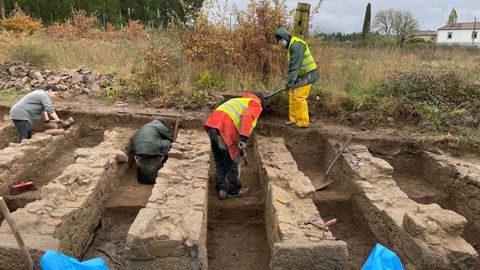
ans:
x=381 y=258
x=53 y=260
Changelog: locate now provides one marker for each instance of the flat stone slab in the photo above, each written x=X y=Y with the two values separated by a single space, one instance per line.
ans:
x=424 y=236
x=170 y=232
x=71 y=204
x=288 y=205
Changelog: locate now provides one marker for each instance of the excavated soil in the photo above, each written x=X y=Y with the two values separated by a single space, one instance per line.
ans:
x=408 y=175
x=236 y=230
x=53 y=169
x=122 y=208
x=360 y=241
x=110 y=237
x=332 y=201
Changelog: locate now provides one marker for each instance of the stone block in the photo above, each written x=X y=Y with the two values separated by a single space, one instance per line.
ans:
x=326 y=255
x=71 y=205
x=171 y=231
x=424 y=236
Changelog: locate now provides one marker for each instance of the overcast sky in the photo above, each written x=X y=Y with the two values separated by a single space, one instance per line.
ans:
x=347 y=15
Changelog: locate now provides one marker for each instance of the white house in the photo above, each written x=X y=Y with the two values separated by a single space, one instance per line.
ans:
x=459 y=34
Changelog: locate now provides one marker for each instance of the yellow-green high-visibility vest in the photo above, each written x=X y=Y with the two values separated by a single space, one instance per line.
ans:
x=308 y=64
x=235 y=107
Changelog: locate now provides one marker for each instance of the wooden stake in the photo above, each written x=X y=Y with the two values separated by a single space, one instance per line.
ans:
x=13 y=228
x=175 y=131
x=301 y=20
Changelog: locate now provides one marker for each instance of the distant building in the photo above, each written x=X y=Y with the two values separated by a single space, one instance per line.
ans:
x=459 y=34
x=429 y=36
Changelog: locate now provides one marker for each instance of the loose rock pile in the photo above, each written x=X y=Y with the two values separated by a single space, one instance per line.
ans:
x=71 y=82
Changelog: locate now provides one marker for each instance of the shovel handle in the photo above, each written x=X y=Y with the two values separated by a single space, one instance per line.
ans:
x=175 y=131
x=338 y=155
x=14 y=229
x=274 y=93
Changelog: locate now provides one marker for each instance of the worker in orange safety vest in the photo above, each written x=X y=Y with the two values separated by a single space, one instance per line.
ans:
x=229 y=128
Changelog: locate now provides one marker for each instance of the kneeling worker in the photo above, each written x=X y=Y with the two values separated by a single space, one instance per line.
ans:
x=229 y=128
x=150 y=147
x=32 y=107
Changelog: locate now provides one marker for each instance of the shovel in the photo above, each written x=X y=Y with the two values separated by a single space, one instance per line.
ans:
x=322 y=181
x=274 y=93
x=14 y=229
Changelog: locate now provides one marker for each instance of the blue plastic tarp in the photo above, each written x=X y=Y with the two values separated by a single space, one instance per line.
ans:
x=381 y=258
x=53 y=260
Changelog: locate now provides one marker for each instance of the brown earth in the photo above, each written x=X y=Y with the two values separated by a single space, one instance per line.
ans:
x=236 y=230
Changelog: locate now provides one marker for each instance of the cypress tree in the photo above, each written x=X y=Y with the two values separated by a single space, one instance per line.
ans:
x=366 y=22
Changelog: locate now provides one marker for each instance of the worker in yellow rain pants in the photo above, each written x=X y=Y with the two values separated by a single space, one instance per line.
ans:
x=302 y=72
x=298 y=107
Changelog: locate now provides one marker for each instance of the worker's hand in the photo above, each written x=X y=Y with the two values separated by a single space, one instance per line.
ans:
x=62 y=123
x=242 y=145
x=287 y=87
x=242 y=142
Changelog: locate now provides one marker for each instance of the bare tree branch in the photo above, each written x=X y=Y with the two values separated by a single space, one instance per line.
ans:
x=404 y=25
x=383 y=21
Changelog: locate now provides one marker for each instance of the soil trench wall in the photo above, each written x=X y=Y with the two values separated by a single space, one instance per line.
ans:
x=22 y=160
x=288 y=204
x=71 y=205
x=424 y=236
x=170 y=232
x=458 y=178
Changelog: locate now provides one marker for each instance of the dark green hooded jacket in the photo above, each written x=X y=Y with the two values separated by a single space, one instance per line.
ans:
x=297 y=51
x=153 y=139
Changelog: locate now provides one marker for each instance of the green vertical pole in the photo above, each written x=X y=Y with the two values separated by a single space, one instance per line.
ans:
x=301 y=19
x=2 y=9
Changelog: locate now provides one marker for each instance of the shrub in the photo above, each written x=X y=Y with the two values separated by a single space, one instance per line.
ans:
x=134 y=30
x=205 y=85
x=83 y=27
x=249 y=48
x=18 y=21
x=435 y=98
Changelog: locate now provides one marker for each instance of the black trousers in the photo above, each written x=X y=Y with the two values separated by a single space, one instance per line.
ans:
x=24 y=129
x=227 y=171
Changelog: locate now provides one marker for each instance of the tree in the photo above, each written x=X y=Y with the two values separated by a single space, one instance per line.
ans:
x=366 y=21
x=383 y=21
x=149 y=12
x=404 y=25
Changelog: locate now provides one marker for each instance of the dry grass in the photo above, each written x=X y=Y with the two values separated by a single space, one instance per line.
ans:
x=344 y=68
x=113 y=56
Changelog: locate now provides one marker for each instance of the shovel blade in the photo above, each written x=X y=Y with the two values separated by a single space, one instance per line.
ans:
x=321 y=182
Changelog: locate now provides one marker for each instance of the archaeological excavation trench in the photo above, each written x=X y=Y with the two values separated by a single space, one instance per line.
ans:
x=420 y=204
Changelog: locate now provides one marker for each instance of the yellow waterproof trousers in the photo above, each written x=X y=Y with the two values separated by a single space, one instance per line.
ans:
x=298 y=106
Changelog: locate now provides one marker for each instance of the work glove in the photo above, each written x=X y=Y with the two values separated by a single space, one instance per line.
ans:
x=242 y=142
x=62 y=123
x=242 y=145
